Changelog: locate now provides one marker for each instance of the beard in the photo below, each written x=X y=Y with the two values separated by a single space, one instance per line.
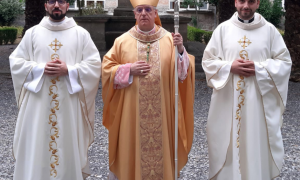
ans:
x=57 y=17
x=246 y=15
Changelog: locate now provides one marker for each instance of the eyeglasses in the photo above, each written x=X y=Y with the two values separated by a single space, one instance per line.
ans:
x=139 y=10
x=60 y=2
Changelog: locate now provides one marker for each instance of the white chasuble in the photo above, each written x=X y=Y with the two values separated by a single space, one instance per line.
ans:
x=56 y=114
x=245 y=116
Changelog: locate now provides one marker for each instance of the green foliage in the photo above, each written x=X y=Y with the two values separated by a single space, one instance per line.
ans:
x=277 y=12
x=207 y=35
x=194 y=21
x=91 y=10
x=193 y=3
x=281 y=32
x=8 y=34
x=9 y=10
x=195 y=34
x=272 y=12
x=19 y=28
x=212 y=2
x=71 y=2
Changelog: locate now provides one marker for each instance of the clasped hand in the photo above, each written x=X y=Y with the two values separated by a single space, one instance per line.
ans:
x=243 y=68
x=56 y=68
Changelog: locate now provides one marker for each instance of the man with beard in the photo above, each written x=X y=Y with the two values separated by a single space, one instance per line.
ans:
x=138 y=81
x=55 y=72
x=248 y=65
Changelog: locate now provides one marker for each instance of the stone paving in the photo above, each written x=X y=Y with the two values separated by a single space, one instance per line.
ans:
x=197 y=166
x=5 y=51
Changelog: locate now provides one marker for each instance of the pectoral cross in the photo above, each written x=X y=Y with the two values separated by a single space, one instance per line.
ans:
x=57 y=45
x=244 y=41
x=148 y=51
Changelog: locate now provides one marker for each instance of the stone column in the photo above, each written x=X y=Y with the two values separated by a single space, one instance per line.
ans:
x=124 y=8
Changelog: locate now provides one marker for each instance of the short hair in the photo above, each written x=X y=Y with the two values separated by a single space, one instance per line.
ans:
x=65 y=0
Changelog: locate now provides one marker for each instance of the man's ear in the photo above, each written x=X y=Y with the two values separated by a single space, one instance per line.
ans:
x=68 y=6
x=45 y=5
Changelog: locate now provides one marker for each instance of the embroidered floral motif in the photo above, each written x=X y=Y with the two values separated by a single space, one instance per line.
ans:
x=53 y=121
x=54 y=131
x=147 y=38
x=150 y=115
x=240 y=87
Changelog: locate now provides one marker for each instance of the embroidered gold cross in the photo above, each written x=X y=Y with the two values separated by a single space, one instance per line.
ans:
x=57 y=45
x=148 y=51
x=244 y=41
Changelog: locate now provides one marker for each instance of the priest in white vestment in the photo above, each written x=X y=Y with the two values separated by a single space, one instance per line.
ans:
x=55 y=72
x=248 y=66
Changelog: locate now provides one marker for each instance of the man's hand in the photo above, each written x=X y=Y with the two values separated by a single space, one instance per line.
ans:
x=56 y=68
x=243 y=68
x=139 y=68
x=177 y=40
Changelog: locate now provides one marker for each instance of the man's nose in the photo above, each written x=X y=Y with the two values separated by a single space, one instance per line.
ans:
x=56 y=4
x=144 y=12
x=246 y=5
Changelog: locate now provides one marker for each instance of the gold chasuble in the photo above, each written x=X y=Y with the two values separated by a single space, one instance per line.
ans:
x=140 y=117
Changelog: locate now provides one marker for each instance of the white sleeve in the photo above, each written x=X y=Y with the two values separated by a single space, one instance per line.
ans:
x=130 y=79
x=263 y=78
x=180 y=56
x=72 y=80
x=35 y=78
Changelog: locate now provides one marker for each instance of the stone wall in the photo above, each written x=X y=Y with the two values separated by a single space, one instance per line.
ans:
x=206 y=18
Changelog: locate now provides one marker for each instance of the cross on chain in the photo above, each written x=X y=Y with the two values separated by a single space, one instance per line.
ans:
x=57 y=45
x=244 y=41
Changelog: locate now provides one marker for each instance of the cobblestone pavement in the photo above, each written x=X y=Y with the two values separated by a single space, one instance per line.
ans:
x=197 y=166
x=5 y=51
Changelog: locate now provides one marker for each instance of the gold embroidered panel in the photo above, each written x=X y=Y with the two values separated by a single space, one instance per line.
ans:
x=150 y=115
x=53 y=119
x=244 y=42
x=147 y=38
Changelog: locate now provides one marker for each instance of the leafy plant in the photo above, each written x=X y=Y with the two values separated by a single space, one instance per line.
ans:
x=80 y=5
x=9 y=11
x=91 y=10
x=194 y=21
x=8 y=34
x=195 y=34
x=212 y=2
x=281 y=32
x=71 y=2
x=193 y=3
x=19 y=28
x=272 y=12
x=277 y=12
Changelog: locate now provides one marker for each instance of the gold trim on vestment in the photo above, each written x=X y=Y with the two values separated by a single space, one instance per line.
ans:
x=54 y=131
x=147 y=38
x=89 y=123
x=262 y=101
x=54 y=104
x=229 y=141
x=241 y=98
x=276 y=89
x=19 y=104
x=151 y=136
